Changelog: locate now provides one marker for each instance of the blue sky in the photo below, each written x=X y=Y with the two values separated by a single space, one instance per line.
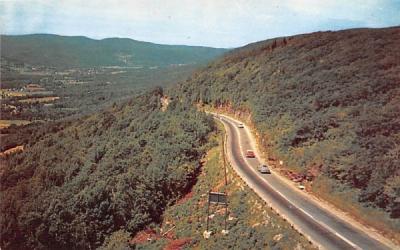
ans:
x=217 y=23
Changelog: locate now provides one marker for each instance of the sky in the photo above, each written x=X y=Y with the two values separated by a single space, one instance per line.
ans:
x=216 y=23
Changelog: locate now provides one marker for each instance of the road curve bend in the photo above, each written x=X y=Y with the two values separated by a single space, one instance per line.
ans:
x=319 y=225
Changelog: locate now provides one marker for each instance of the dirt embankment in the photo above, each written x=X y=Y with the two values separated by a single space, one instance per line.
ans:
x=164 y=102
x=12 y=151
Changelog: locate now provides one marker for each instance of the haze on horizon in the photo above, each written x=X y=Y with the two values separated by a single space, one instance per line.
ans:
x=222 y=23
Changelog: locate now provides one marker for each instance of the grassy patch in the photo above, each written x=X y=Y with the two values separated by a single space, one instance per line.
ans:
x=40 y=99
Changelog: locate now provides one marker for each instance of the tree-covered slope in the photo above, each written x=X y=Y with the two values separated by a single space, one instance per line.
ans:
x=64 y=51
x=325 y=102
x=77 y=182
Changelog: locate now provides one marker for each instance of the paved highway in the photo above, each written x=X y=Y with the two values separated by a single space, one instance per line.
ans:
x=321 y=226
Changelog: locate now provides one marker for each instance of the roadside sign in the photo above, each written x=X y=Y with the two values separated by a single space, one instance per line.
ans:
x=218 y=198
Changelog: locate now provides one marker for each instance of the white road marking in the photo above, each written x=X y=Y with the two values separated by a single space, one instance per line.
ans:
x=304 y=211
x=349 y=242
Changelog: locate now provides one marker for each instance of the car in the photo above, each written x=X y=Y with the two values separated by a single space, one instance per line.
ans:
x=240 y=125
x=250 y=154
x=264 y=169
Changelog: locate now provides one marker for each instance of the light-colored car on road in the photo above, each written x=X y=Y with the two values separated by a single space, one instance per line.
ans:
x=240 y=125
x=264 y=169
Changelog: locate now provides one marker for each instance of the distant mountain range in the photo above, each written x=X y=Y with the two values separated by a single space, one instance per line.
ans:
x=77 y=51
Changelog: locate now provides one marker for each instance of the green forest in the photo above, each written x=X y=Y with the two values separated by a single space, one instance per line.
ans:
x=326 y=101
x=79 y=181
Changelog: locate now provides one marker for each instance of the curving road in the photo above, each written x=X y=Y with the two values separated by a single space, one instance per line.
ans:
x=319 y=225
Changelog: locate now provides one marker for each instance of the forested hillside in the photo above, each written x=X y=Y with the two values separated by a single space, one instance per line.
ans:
x=326 y=103
x=79 y=181
x=72 y=52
